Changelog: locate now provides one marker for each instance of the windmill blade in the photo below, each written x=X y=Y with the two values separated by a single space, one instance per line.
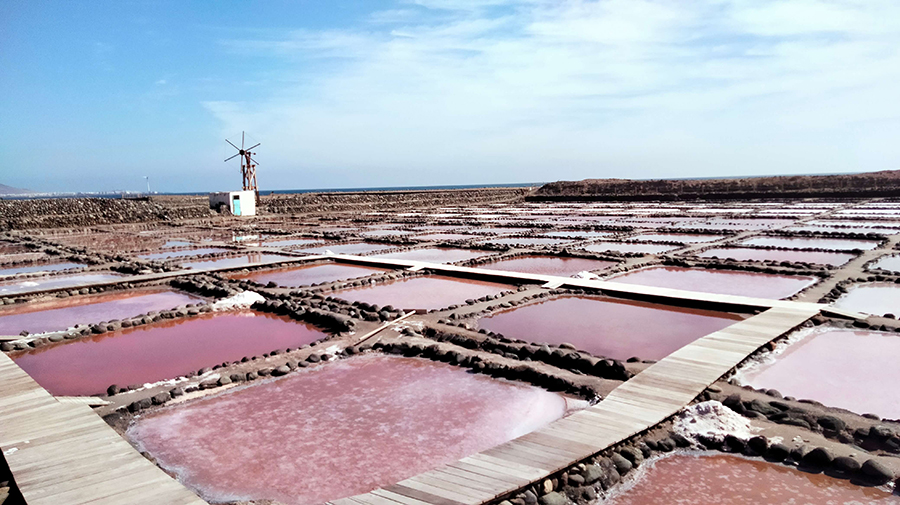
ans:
x=242 y=140
x=235 y=156
x=254 y=147
x=232 y=145
x=254 y=161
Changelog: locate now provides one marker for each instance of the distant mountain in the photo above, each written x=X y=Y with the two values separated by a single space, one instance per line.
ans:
x=9 y=190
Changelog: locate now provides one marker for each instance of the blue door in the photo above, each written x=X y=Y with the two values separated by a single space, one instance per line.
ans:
x=236 y=205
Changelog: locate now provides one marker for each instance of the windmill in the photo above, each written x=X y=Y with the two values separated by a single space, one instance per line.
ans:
x=248 y=165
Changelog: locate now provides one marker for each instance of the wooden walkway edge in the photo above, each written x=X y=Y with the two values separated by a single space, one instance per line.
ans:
x=648 y=398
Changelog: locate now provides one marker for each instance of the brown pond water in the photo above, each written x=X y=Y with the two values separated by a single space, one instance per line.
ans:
x=235 y=261
x=835 y=367
x=62 y=281
x=27 y=268
x=705 y=479
x=835 y=244
x=721 y=282
x=60 y=314
x=548 y=265
x=427 y=292
x=339 y=429
x=357 y=248
x=891 y=263
x=609 y=327
x=630 y=248
x=751 y=254
x=436 y=255
x=159 y=351
x=12 y=248
x=313 y=274
x=877 y=298
x=180 y=254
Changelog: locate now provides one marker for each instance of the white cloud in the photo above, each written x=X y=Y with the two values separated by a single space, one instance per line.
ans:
x=458 y=91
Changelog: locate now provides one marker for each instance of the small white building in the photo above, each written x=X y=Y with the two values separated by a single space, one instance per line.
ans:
x=238 y=203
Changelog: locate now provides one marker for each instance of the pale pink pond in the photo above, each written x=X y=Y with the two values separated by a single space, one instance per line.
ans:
x=876 y=298
x=836 y=244
x=891 y=263
x=834 y=366
x=547 y=265
x=578 y=234
x=339 y=429
x=30 y=268
x=794 y=255
x=54 y=282
x=235 y=261
x=723 y=282
x=356 y=248
x=181 y=254
x=443 y=236
x=158 y=351
x=630 y=248
x=704 y=479
x=513 y=241
x=427 y=292
x=683 y=238
x=60 y=314
x=608 y=327
x=311 y=274
x=436 y=255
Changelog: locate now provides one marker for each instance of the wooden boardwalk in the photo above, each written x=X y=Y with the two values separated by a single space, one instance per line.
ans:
x=64 y=454
x=640 y=403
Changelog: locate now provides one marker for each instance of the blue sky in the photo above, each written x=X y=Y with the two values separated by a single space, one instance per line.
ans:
x=378 y=93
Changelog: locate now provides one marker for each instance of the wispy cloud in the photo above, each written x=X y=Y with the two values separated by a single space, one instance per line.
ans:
x=465 y=91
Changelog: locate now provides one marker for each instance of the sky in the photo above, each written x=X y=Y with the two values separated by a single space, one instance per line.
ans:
x=95 y=95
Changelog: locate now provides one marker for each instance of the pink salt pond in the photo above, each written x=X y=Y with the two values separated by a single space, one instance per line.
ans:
x=439 y=237
x=311 y=274
x=723 y=282
x=876 y=298
x=55 y=282
x=688 y=479
x=792 y=255
x=513 y=241
x=608 y=327
x=435 y=255
x=340 y=429
x=159 y=351
x=891 y=263
x=682 y=238
x=547 y=265
x=60 y=314
x=630 y=248
x=835 y=244
x=235 y=261
x=428 y=292
x=835 y=367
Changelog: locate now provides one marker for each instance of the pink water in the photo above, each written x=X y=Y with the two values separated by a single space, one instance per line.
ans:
x=836 y=244
x=877 y=298
x=340 y=429
x=63 y=281
x=719 y=281
x=159 y=351
x=732 y=480
x=630 y=248
x=444 y=236
x=314 y=274
x=609 y=327
x=12 y=248
x=59 y=314
x=429 y=292
x=836 y=367
x=181 y=254
x=528 y=241
x=683 y=238
x=27 y=268
x=891 y=263
x=751 y=254
x=548 y=265
x=436 y=255
x=357 y=248
x=578 y=234
x=235 y=261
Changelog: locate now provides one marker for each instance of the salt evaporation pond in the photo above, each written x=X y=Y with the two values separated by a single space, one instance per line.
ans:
x=547 y=265
x=723 y=282
x=876 y=298
x=427 y=292
x=311 y=274
x=436 y=255
x=891 y=263
x=608 y=327
x=835 y=244
x=733 y=480
x=684 y=238
x=159 y=351
x=235 y=261
x=443 y=237
x=60 y=314
x=793 y=255
x=28 y=268
x=340 y=429
x=180 y=254
x=22 y=286
x=527 y=241
x=291 y=242
x=834 y=366
x=355 y=248
x=630 y=248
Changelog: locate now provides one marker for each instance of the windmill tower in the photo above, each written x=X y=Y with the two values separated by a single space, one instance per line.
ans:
x=248 y=166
